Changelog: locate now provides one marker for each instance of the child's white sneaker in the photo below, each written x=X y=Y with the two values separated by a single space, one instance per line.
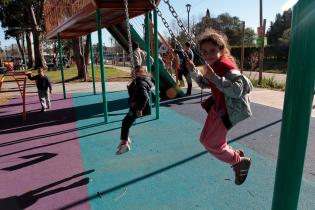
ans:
x=129 y=140
x=122 y=142
x=123 y=148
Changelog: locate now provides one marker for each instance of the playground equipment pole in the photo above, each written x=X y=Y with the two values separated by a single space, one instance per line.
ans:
x=261 y=35
x=297 y=108
x=101 y=54
x=156 y=66
x=147 y=40
x=92 y=63
x=23 y=98
x=242 y=49
x=61 y=67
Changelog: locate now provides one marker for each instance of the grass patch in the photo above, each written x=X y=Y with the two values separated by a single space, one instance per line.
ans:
x=275 y=71
x=121 y=64
x=269 y=83
x=70 y=74
x=4 y=99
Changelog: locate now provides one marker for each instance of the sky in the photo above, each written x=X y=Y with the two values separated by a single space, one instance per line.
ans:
x=246 y=10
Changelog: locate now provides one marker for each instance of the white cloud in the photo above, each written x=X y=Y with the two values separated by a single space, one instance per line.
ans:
x=289 y=4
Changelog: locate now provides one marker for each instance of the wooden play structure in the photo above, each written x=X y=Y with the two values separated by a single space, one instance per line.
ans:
x=20 y=79
x=75 y=18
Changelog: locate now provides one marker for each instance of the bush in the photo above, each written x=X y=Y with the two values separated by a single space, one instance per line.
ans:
x=275 y=57
x=269 y=83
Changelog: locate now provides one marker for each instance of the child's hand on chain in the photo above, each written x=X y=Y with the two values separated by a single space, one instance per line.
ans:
x=190 y=65
x=139 y=113
x=207 y=70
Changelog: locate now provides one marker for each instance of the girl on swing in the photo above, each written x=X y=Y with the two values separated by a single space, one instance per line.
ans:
x=229 y=103
x=139 y=103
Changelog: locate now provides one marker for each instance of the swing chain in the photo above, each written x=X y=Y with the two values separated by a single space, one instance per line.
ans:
x=181 y=25
x=132 y=63
x=165 y=23
x=179 y=22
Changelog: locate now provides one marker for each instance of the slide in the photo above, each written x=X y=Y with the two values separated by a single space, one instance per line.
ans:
x=168 y=88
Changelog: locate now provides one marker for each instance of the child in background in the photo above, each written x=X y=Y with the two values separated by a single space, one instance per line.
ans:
x=10 y=66
x=229 y=103
x=43 y=84
x=183 y=71
x=139 y=102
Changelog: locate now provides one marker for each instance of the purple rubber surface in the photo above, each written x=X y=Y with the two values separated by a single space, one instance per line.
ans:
x=40 y=160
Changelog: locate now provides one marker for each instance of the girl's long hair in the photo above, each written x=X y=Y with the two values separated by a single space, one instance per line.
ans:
x=218 y=39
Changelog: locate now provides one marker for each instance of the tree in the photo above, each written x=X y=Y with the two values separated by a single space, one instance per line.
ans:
x=30 y=49
x=279 y=31
x=25 y=16
x=35 y=13
x=1 y=55
x=81 y=56
x=208 y=13
x=19 y=35
x=13 y=24
x=230 y=26
x=285 y=38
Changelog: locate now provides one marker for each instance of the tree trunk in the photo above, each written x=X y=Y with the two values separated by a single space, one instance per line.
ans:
x=87 y=56
x=23 y=40
x=18 y=41
x=38 y=50
x=38 y=45
x=78 y=57
x=30 y=50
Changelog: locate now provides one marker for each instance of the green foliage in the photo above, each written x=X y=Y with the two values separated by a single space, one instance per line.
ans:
x=279 y=31
x=12 y=18
x=231 y=26
x=269 y=83
x=4 y=99
x=15 y=16
x=275 y=57
x=285 y=38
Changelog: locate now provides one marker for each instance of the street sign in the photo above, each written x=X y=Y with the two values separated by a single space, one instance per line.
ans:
x=259 y=40
x=260 y=31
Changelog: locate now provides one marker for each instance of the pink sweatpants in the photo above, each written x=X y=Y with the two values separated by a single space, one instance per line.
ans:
x=213 y=138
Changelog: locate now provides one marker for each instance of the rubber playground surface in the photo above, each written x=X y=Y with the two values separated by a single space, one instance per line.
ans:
x=65 y=158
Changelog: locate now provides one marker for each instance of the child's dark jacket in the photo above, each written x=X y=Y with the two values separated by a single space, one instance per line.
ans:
x=138 y=91
x=42 y=83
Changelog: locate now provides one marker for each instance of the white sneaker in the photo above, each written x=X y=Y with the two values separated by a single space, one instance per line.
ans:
x=121 y=142
x=123 y=148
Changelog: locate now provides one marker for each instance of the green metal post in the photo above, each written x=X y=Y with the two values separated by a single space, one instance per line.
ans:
x=61 y=67
x=101 y=54
x=297 y=108
x=92 y=63
x=156 y=66
x=147 y=40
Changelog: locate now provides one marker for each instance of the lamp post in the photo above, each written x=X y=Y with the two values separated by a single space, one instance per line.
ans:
x=6 y=52
x=262 y=29
x=188 y=7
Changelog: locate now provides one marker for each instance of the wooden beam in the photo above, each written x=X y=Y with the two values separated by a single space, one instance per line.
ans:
x=69 y=35
x=94 y=3
x=108 y=9
x=122 y=18
x=143 y=5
